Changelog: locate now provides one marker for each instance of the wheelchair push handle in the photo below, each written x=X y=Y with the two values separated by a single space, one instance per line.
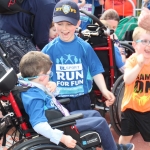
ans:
x=96 y=30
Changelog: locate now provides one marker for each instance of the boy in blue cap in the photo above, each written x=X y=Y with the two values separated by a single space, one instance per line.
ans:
x=75 y=64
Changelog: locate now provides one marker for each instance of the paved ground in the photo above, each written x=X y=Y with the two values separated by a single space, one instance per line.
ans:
x=137 y=139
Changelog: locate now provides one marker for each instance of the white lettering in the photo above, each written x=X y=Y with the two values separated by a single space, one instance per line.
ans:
x=60 y=75
x=62 y=83
x=75 y=83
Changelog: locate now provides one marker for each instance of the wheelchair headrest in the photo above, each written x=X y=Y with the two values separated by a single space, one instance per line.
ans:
x=8 y=80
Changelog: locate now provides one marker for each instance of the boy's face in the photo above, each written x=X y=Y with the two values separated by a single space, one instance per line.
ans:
x=142 y=46
x=52 y=33
x=113 y=24
x=66 y=30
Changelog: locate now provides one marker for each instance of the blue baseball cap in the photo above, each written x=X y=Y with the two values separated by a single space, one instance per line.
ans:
x=66 y=10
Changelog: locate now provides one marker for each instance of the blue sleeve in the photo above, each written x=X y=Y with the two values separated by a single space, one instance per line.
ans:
x=46 y=49
x=118 y=58
x=34 y=107
x=42 y=22
x=94 y=63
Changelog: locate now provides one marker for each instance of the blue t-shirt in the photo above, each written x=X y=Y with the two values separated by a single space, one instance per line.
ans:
x=74 y=65
x=20 y=23
x=35 y=102
x=96 y=2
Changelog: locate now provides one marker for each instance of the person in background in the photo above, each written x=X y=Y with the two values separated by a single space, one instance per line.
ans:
x=135 y=107
x=146 y=3
x=27 y=31
x=52 y=32
x=110 y=19
x=124 y=8
x=80 y=3
x=89 y=6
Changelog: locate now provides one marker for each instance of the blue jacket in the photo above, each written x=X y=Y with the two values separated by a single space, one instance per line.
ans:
x=20 y=23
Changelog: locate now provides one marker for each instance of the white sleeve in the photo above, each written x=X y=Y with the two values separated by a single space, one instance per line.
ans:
x=45 y=129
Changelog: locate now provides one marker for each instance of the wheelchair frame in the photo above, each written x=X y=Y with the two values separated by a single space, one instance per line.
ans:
x=115 y=109
x=13 y=118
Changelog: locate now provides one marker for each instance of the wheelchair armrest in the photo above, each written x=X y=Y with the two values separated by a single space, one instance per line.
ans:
x=64 y=100
x=65 y=121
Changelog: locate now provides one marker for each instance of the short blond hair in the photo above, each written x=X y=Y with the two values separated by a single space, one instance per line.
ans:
x=138 y=31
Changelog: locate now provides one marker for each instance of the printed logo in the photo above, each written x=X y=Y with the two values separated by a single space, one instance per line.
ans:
x=70 y=75
x=66 y=9
x=84 y=143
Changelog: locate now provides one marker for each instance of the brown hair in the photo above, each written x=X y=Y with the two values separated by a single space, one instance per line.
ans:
x=105 y=23
x=33 y=63
x=110 y=14
x=52 y=24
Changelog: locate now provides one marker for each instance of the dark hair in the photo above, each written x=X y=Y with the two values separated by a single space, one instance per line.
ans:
x=110 y=14
x=33 y=63
x=52 y=24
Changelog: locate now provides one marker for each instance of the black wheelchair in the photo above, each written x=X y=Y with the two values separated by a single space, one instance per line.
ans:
x=115 y=109
x=98 y=36
x=14 y=116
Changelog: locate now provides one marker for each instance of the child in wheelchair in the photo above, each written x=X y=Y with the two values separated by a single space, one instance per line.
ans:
x=37 y=99
x=135 y=106
x=110 y=18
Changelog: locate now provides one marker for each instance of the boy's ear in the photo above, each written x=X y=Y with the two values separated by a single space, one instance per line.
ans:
x=41 y=78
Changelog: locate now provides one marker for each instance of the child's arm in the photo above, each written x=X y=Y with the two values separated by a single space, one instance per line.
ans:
x=131 y=74
x=54 y=135
x=100 y=82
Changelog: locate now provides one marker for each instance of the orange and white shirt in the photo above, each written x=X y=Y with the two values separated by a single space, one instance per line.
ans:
x=137 y=94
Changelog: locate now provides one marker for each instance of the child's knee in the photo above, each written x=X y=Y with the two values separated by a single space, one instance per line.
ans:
x=96 y=113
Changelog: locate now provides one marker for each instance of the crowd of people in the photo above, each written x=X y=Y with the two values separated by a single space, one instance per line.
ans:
x=49 y=55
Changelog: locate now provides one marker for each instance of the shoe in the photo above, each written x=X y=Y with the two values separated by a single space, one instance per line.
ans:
x=129 y=146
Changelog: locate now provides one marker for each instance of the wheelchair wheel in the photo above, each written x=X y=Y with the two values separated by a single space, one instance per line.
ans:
x=128 y=48
x=115 y=109
x=40 y=143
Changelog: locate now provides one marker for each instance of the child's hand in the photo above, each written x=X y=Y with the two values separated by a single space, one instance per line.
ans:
x=140 y=60
x=68 y=141
x=110 y=98
x=51 y=86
